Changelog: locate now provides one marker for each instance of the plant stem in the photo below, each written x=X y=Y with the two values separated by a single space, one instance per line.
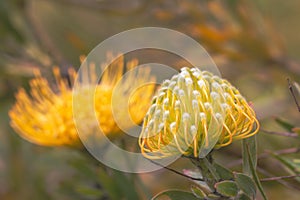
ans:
x=280 y=178
x=208 y=170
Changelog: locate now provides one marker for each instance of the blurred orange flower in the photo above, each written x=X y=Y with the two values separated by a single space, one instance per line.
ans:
x=45 y=117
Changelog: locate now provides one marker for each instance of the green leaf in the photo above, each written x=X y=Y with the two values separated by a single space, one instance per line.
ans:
x=249 y=143
x=224 y=173
x=213 y=196
x=242 y=196
x=198 y=192
x=41 y=188
x=126 y=184
x=81 y=166
x=292 y=166
x=176 y=195
x=227 y=188
x=246 y=184
x=107 y=182
x=117 y=185
x=284 y=124
x=7 y=25
x=250 y=161
x=255 y=176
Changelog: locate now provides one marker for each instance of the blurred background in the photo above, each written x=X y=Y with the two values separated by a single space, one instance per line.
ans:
x=255 y=44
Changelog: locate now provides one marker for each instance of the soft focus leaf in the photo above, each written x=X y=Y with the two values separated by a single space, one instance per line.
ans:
x=254 y=174
x=213 y=196
x=292 y=166
x=284 y=124
x=41 y=189
x=250 y=162
x=232 y=6
x=117 y=185
x=224 y=173
x=6 y=24
x=242 y=196
x=296 y=163
x=227 y=188
x=126 y=185
x=89 y=191
x=176 y=195
x=83 y=167
x=107 y=182
x=249 y=143
x=246 y=184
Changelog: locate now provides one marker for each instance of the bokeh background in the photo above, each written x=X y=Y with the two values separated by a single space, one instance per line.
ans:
x=255 y=44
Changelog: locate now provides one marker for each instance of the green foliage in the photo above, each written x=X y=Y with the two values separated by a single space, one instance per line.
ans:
x=249 y=152
x=246 y=184
x=83 y=167
x=198 y=192
x=89 y=192
x=289 y=164
x=213 y=196
x=8 y=25
x=175 y=195
x=227 y=188
x=285 y=124
x=292 y=165
x=103 y=182
x=250 y=161
x=255 y=177
x=242 y=196
x=224 y=173
x=125 y=185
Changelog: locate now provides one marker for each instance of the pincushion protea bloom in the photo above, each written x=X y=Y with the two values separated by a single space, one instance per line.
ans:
x=193 y=113
x=45 y=117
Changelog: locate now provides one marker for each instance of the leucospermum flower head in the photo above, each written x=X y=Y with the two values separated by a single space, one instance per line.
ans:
x=194 y=112
x=45 y=116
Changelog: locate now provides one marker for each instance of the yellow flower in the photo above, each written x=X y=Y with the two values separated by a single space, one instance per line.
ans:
x=193 y=113
x=45 y=117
